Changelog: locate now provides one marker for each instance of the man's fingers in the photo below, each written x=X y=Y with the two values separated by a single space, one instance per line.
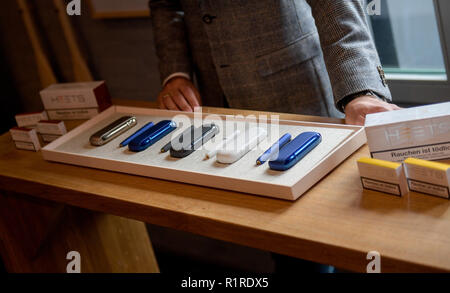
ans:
x=355 y=120
x=174 y=101
x=356 y=110
x=197 y=94
x=161 y=103
x=348 y=120
x=183 y=95
x=169 y=103
x=376 y=109
x=391 y=107
x=380 y=107
x=191 y=97
x=181 y=102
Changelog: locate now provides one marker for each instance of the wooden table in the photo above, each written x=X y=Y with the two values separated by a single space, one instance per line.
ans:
x=335 y=222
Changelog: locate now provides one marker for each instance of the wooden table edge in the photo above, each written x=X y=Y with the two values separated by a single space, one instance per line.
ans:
x=230 y=232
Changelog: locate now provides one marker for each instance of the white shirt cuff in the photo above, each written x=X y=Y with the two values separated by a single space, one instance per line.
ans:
x=176 y=74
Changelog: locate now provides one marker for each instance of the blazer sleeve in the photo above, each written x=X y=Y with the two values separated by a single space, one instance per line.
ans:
x=170 y=37
x=350 y=55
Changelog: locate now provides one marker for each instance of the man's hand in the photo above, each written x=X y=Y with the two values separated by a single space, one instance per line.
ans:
x=357 y=109
x=179 y=94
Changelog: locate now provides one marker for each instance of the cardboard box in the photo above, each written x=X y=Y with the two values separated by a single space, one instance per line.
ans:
x=383 y=176
x=55 y=127
x=25 y=138
x=30 y=119
x=79 y=100
x=73 y=114
x=419 y=132
x=427 y=177
x=50 y=137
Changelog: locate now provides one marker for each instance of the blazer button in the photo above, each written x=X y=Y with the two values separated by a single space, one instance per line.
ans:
x=208 y=18
x=382 y=76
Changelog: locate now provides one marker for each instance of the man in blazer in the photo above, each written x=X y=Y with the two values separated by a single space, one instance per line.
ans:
x=303 y=56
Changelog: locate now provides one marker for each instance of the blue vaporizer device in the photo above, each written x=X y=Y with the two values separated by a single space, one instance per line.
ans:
x=151 y=135
x=295 y=150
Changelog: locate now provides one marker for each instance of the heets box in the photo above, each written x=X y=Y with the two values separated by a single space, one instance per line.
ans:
x=383 y=176
x=30 y=119
x=72 y=114
x=427 y=177
x=55 y=127
x=25 y=138
x=50 y=137
x=419 y=132
x=79 y=100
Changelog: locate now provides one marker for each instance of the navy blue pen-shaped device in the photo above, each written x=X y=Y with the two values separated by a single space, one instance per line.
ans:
x=274 y=149
x=136 y=134
x=294 y=151
x=151 y=135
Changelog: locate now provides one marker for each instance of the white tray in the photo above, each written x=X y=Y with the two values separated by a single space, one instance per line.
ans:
x=338 y=142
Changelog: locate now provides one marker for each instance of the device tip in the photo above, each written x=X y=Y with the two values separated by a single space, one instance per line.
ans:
x=258 y=162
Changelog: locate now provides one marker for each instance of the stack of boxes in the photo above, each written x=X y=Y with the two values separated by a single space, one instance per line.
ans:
x=51 y=129
x=30 y=120
x=71 y=101
x=413 y=136
x=419 y=132
x=422 y=176
x=62 y=101
x=25 y=138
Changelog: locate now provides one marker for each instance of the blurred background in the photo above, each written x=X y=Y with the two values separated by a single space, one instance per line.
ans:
x=118 y=49
x=114 y=39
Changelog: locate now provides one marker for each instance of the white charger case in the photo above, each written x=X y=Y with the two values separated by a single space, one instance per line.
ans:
x=229 y=155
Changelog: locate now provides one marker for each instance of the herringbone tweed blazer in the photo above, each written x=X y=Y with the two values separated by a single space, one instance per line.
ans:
x=298 y=56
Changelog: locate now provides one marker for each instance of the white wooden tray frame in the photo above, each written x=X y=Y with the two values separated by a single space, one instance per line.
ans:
x=292 y=192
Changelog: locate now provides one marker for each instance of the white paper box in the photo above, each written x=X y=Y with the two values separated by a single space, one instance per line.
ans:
x=56 y=127
x=30 y=119
x=50 y=137
x=80 y=100
x=28 y=146
x=73 y=114
x=383 y=176
x=426 y=177
x=25 y=138
x=75 y=95
x=420 y=132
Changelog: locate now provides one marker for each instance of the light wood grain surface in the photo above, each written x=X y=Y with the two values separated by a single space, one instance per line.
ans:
x=334 y=223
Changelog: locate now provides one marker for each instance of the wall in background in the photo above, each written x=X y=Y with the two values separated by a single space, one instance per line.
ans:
x=10 y=102
x=120 y=51
x=415 y=30
x=18 y=62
